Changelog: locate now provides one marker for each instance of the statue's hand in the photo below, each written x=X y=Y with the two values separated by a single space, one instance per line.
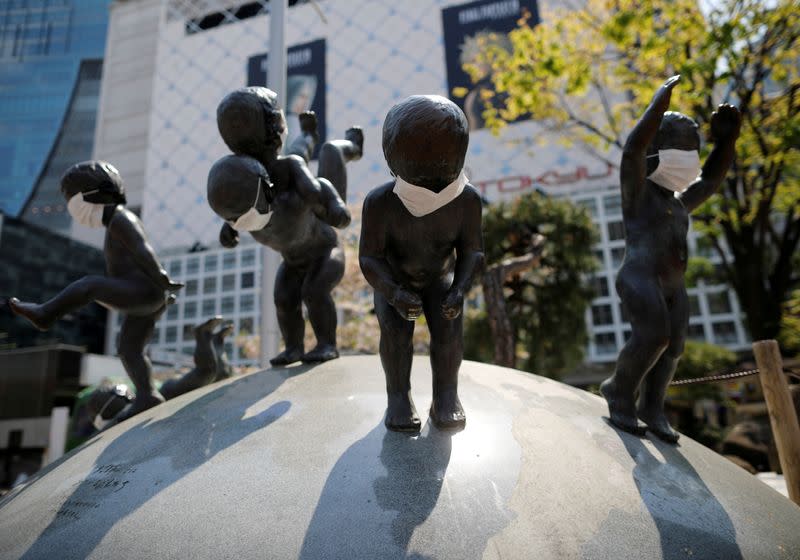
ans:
x=453 y=304
x=339 y=216
x=664 y=93
x=308 y=123
x=228 y=237
x=726 y=122
x=408 y=304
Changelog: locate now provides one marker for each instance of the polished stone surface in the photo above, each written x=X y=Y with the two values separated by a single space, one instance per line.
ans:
x=296 y=463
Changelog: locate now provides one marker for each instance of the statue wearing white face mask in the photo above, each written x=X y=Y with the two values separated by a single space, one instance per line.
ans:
x=277 y=200
x=421 y=244
x=135 y=283
x=662 y=182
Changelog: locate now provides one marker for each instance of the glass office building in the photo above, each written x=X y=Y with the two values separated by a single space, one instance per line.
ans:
x=50 y=67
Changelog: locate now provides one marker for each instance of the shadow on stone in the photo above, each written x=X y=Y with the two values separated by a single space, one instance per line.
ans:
x=690 y=520
x=147 y=458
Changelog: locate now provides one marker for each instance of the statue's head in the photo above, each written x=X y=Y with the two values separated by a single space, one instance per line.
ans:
x=677 y=132
x=98 y=181
x=251 y=122
x=240 y=192
x=425 y=139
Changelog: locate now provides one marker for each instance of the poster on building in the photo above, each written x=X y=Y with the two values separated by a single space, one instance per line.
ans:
x=466 y=27
x=305 y=84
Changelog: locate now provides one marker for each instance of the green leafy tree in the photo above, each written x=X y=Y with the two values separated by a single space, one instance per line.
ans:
x=586 y=74
x=545 y=304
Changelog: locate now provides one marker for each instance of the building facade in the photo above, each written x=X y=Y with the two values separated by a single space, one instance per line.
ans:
x=50 y=69
x=357 y=58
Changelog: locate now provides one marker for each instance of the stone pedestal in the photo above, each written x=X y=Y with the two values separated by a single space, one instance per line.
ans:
x=296 y=463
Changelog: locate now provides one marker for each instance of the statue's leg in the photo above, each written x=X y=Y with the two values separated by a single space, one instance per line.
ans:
x=323 y=276
x=333 y=156
x=205 y=361
x=224 y=369
x=288 y=304
x=134 y=334
x=397 y=351
x=447 y=351
x=650 y=407
x=641 y=296
x=118 y=293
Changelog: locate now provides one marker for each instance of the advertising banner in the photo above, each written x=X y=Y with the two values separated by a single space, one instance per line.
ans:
x=305 y=84
x=466 y=27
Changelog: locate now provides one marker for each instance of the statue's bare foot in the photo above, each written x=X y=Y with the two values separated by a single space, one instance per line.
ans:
x=288 y=356
x=207 y=327
x=621 y=408
x=225 y=331
x=658 y=424
x=356 y=135
x=322 y=353
x=32 y=312
x=401 y=415
x=140 y=404
x=447 y=412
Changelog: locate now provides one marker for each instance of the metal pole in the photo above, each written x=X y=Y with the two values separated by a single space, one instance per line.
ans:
x=270 y=260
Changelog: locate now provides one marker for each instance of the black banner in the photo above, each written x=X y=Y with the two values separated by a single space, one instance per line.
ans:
x=305 y=84
x=464 y=27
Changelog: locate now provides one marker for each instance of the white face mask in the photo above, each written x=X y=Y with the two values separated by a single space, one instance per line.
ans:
x=676 y=170
x=85 y=213
x=252 y=220
x=420 y=201
x=99 y=422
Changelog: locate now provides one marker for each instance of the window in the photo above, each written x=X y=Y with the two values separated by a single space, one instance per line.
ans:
x=601 y=315
x=175 y=268
x=192 y=265
x=210 y=285
x=719 y=302
x=188 y=331
x=600 y=286
x=191 y=288
x=598 y=254
x=248 y=279
x=606 y=343
x=156 y=335
x=228 y=282
x=248 y=258
x=616 y=230
x=172 y=312
x=190 y=310
x=227 y=305
x=246 y=302
x=612 y=204
x=171 y=334
x=725 y=333
x=210 y=263
x=209 y=307
x=229 y=260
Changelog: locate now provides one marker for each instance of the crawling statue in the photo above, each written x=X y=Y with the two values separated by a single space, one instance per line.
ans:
x=135 y=283
x=660 y=187
x=421 y=244
x=282 y=205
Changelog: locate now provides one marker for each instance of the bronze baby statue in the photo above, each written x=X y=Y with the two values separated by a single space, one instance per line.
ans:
x=661 y=184
x=282 y=205
x=135 y=283
x=421 y=244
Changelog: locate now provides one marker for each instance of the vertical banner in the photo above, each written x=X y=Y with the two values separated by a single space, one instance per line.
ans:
x=305 y=85
x=466 y=27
